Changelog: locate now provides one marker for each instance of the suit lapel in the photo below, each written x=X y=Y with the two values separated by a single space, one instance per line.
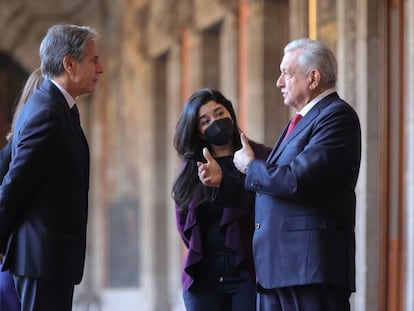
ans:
x=302 y=124
x=276 y=146
x=75 y=129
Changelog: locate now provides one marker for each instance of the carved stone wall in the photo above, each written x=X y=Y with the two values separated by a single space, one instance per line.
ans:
x=24 y=23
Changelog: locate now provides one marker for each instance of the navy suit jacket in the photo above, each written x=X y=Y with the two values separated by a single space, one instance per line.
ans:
x=305 y=201
x=44 y=195
x=5 y=157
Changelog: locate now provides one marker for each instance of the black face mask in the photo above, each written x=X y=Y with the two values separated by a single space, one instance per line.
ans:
x=220 y=132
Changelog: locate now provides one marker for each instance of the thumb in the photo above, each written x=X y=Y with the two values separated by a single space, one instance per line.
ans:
x=207 y=155
x=244 y=140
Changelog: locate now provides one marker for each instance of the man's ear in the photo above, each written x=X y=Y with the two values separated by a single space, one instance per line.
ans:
x=314 y=79
x=68 y=64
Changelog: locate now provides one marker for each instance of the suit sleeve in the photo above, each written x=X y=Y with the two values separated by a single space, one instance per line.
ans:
x=319 y=160
x=34 y=148
x=5 y=157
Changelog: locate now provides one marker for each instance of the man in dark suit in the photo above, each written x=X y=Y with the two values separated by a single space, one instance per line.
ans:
x=304 y=240
x=44 y=195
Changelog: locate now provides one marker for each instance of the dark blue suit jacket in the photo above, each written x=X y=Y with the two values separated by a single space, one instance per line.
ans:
x=305 y=201
x=8 y=298
x=44 y=195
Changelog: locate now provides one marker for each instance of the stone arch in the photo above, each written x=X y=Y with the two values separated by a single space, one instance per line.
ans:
x=26 y=23
x=12 y=78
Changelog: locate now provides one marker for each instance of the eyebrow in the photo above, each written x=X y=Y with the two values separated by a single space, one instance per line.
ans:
x=214 y=111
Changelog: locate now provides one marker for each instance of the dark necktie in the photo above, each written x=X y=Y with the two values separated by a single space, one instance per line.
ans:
x=75 y=114
x=292 y=124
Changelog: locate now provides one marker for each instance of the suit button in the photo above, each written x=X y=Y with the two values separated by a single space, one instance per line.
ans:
x=257 y=225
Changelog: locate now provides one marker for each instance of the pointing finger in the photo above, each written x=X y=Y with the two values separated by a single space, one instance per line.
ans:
x=207 y=155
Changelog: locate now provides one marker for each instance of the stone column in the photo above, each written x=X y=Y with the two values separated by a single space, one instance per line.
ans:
x=409 y=130
x=174 y=243
x=147 y=178
x=298 y=19
x=229 y=59
x=195 y=73
x=267 y=34
x=357 y=56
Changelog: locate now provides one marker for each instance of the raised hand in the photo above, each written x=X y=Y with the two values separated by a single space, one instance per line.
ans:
x=243 y=156
x=210 y=173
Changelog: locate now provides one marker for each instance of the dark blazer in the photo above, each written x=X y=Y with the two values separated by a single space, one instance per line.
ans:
x=44 y=195
x=8 y=297
x=238 y=219
x=5 y=157
x=305 y=201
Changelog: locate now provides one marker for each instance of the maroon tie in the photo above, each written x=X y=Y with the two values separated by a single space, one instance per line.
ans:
x=292 y=124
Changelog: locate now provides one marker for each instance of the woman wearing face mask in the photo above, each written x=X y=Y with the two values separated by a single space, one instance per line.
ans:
x=215 y=214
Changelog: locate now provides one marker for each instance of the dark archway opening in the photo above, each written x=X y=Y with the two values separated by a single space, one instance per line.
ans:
x=12 y=79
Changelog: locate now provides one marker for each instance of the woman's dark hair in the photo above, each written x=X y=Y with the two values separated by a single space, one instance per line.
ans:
x=189 y=144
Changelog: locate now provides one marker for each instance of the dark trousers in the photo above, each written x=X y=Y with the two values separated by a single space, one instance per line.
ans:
x=43 y=295
x=233 y=296
x=314 y=297
x=8 y=296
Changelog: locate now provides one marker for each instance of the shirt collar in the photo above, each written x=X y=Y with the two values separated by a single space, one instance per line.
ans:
x=69 y=99
x=314 y=101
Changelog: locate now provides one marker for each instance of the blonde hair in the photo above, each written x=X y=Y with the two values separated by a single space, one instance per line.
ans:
x=33 y=82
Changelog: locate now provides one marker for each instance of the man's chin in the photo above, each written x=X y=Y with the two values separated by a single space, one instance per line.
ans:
x=90 y=91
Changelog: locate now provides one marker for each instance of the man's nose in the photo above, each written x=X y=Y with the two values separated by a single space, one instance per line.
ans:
x=100 y=68
x=279 y=82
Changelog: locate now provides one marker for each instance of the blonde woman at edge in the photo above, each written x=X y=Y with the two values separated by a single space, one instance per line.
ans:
x=8 y=298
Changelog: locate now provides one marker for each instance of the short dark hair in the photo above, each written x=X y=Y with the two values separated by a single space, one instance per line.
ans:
x=62 y=40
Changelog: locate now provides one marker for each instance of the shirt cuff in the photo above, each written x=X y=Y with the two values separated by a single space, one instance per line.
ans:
x=247 y=166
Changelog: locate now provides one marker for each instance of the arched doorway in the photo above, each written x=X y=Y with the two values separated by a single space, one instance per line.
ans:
x=12 y=78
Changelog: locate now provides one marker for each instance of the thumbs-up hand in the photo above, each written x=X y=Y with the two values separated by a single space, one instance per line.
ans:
x=210 y=173
x=243 y=156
